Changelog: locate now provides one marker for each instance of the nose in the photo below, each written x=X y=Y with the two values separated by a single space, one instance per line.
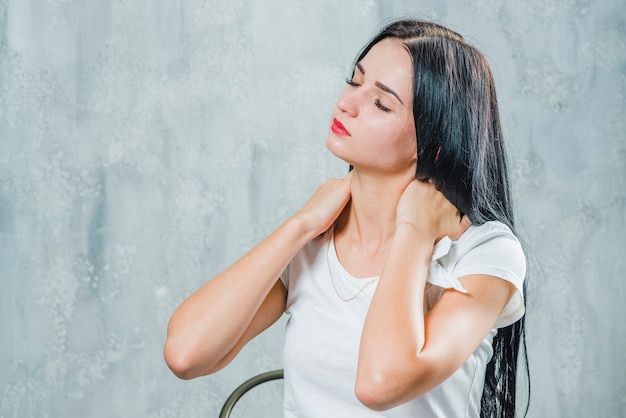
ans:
x=348 y=101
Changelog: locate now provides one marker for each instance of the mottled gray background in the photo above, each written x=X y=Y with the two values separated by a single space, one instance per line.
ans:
x=146 y=145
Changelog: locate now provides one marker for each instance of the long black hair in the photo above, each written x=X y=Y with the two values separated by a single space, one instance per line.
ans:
x=460 y=148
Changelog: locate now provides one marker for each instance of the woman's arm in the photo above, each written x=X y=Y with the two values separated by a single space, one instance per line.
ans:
x=403 y=352
x=246 y=296
x=211 y=326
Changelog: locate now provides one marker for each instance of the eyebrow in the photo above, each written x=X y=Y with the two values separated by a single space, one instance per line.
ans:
x=380 y=85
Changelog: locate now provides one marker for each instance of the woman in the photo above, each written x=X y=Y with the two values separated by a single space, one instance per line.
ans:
x=402 y=279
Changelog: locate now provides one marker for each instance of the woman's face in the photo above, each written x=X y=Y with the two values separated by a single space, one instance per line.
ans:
x=372 y=124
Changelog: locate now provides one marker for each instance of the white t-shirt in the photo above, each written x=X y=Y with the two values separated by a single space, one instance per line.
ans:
x=323 y=332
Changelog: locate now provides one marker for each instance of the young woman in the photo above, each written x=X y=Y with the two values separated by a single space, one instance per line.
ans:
x=403 y=280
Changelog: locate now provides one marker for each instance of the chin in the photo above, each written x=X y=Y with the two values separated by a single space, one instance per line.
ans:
x=334 y=146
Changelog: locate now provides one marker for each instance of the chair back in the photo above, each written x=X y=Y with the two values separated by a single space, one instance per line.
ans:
x=245 y=387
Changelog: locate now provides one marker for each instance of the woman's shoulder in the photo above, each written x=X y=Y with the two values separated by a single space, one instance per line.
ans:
x=494 y=232
x=490 y=248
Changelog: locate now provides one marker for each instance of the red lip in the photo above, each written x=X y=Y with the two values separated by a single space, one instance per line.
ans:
x=338 y=128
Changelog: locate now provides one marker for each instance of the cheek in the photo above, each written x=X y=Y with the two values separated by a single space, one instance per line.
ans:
x=406 y=143
x=400 y=148
x=411 y=151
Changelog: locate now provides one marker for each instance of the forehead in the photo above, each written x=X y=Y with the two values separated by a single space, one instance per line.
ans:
x=389 y=62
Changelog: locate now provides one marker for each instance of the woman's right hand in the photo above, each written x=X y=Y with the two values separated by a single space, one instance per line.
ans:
x=325 y=205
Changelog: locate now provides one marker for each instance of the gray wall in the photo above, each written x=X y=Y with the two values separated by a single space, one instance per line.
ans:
x=146 y=145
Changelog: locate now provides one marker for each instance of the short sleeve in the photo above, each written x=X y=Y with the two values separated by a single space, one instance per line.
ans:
x=495 y=251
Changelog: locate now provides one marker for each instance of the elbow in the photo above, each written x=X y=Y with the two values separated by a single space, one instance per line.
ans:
x=376 y=392
x=188 y=357
x=178 y=361
x=186 y=361
x=388 y=387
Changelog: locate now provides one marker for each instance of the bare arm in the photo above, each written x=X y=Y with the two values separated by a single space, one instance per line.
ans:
x=403 y=352
x=211 y=326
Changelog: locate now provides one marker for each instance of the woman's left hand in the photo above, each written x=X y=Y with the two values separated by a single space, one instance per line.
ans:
x=427 y=209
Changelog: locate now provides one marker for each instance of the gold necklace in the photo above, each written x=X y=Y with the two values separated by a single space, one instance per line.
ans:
x=332 y=279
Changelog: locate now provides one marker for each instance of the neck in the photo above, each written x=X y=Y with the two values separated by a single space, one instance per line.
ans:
x=369 y=220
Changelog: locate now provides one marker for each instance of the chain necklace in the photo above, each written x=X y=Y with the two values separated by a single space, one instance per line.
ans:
x=332 y=279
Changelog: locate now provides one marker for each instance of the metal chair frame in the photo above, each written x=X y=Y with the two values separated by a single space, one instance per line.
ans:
x=245 y=387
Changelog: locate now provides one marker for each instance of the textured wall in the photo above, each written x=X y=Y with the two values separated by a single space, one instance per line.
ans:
x=145 y=145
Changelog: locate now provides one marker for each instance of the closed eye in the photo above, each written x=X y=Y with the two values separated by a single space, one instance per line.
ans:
x=351 y=82
x=381 y=106
x=377 y=102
